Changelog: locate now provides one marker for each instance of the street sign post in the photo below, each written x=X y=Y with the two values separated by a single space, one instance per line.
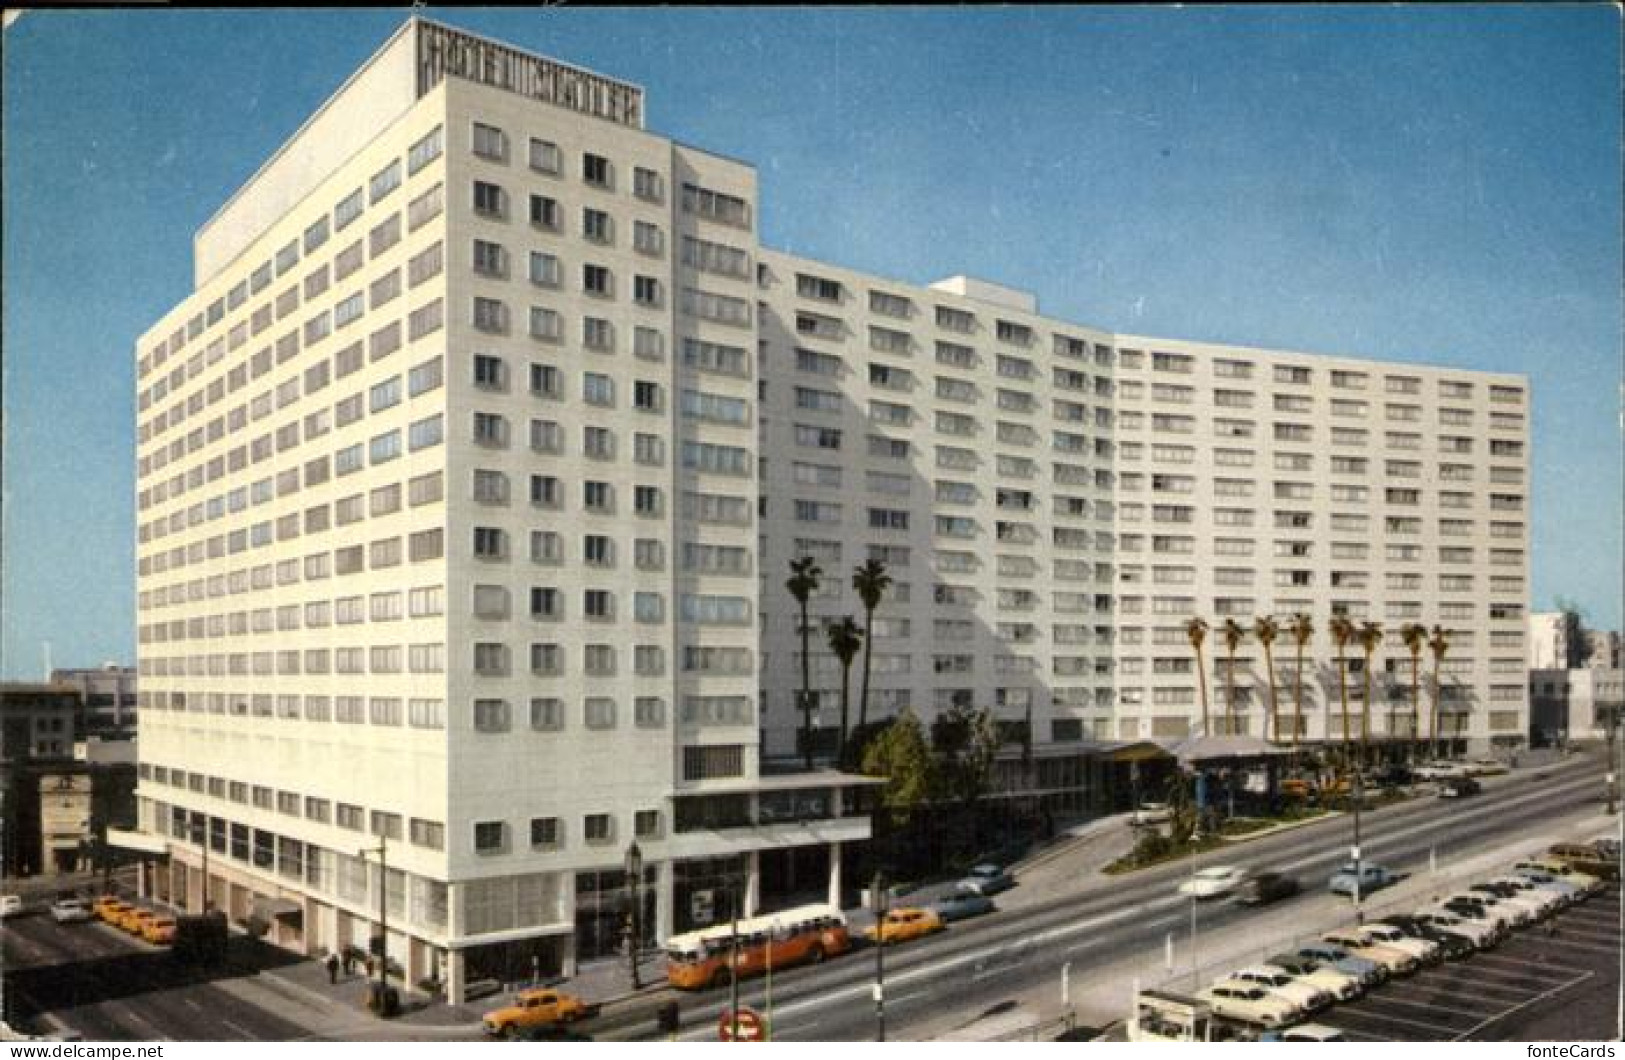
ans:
x=744 y=1022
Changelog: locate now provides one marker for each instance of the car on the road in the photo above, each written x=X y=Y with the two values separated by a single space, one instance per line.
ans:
x=1438 y=770
x=1342 y=985
x=1264 y=887
x=1309 y=997
x=1396 y=961
x=903 y=925
x=1249 y=1003
x=1153 y=813
x=1458 y=787
x=1425 y=950
x=1305 y=1032
x=136 y=923
x=1452 y=945
x=987 y=879
x=109 y=906
x=10 y=905
x=1370 y=972
x=961 y=905
x=1215 y=881
x=1487 y=767
x=1483 y=932
x=70 y=911
x=1298 y=787
x=124 y=918
x=533 y=1008
x=159 y=930
x=1370 y=876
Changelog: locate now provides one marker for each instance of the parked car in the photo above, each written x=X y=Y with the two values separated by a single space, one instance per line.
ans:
x=1264 y=887
x=1248 y=1003
x=1483 y=931
x=1216 y=881
x=1392 y=774
x=10 y=905
x=1487 y=767
x=1396 y=961
x=1370 y=972
x=136 y=922
x=1452 y=945
x=1586 y=858
x=1472 y=904
x=1309 y=997
x=1539 y=906
x=69 y=911
x=1342 y=985
x=1568 y=889
x=902 y=925
x=1305 y=1032
x=1371 y=877
x=533 y=1008
x=1458 y=787
x=1563 y=871
x=961 y=905
x=1298 y=787
x=987 y=879
x=1550 y=899
x=1425 y=950
x=109 y=905
x=1438 y=770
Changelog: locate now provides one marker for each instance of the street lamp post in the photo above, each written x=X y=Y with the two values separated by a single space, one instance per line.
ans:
x=878 y=897
x=634 y=877
x=1359 y=797
x=382 y=850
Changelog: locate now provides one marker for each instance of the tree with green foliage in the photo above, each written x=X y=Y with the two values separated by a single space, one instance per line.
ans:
x=1233 y=633
x=1415 y=636
x=1369 y=634
x=871 y=582
x=1342 y=631
x=1303 y=628
x=1266 y=629
x=1196 y=633
x=901 y=754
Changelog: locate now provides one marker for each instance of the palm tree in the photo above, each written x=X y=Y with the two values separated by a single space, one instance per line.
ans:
x=1303 y=628
x=1415 y=636
x=1342 y=631
x=804 y=578
x=871 y=582
x=1196 y=633
x=1370 y=637
x=1234 y=633
x=845 y=638
x=1438 y=644
x=1266 y=629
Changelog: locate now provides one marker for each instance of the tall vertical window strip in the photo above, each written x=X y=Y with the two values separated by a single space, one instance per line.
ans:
x=424 y=151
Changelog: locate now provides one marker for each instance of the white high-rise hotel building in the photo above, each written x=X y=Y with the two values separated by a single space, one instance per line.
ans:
x=470 y=472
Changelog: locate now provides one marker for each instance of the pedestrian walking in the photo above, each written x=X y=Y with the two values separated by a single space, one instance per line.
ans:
x=332 y=968
x=349 y=962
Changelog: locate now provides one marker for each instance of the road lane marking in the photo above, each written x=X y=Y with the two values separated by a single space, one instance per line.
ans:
x=239 y=1030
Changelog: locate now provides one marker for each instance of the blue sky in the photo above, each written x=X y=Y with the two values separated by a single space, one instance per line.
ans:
x=1437 y=184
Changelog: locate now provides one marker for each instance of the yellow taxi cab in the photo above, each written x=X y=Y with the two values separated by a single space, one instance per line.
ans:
x=159 y=929
x=136 y=921
x=533 y=1008
x=1297 y=787
x=110 y=908
x=901 y=925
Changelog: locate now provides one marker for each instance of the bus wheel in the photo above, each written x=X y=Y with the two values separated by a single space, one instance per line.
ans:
x=721 y=977
x=816 y=955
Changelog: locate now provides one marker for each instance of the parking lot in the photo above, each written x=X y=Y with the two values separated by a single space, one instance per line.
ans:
x=1499 y=994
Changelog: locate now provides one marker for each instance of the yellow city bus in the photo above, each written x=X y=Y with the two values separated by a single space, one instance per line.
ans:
x=803 y=935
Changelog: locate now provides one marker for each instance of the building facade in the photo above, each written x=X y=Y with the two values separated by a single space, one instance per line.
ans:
x=1054 y=502
x=470 y=472
x=446 y=595
x=108 y=696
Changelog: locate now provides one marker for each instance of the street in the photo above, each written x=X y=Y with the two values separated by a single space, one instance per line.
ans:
x=1111 y=931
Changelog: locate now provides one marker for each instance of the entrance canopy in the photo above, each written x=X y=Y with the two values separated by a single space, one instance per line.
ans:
x=141 y=841
x=1214 y=748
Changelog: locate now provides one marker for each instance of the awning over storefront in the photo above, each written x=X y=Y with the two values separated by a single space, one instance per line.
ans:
x=142 y=841
x=278 y=909
x=1211 y=748
x=1145 y=751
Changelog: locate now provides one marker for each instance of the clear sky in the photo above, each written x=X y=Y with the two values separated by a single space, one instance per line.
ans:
x=1437 y=184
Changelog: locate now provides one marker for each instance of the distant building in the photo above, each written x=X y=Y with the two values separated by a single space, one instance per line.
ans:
x=1548 y=644
x=36 y=737
x=107 y=696
x=1574 y=705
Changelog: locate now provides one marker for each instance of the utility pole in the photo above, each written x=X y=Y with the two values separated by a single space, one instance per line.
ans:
x=1359 y=797
x=733 y=965
x=382 y=850
x=878 y=897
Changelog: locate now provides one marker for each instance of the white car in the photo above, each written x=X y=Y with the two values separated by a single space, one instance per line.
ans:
x=1551 y=900
x=1213 y=882
x=1438 y=770
x=1396 y=961
x=1153 y=813
x=1501 y=913
x=1248 y=1003
x=1483 y=935
x=1494 y=928
x=1307 y=996
x=69 y=911
x=10 y=905
x=1344 y=986
x=1424 y=950
x=1535 y=905
x=1568 y=890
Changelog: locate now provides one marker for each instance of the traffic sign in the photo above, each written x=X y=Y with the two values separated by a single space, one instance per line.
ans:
x=749 y=1023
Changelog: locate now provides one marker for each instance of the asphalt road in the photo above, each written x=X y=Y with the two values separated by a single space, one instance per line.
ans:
x=980 y=966
x=110 y=987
